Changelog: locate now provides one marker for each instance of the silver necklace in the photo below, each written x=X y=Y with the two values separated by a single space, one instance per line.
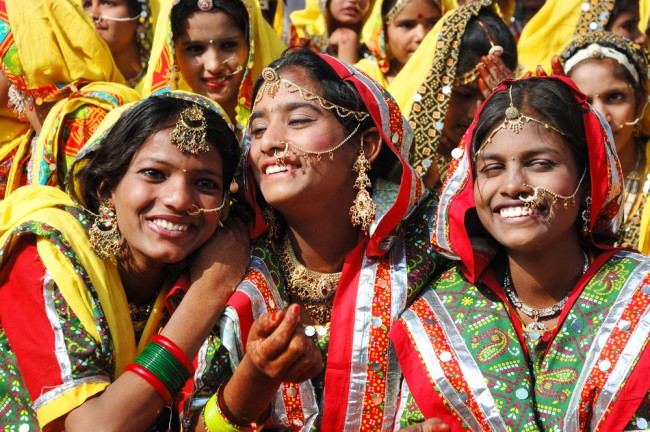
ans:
x=535 y=327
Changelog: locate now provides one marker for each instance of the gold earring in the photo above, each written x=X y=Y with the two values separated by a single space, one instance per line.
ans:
x=104 y=233
x=364 y=208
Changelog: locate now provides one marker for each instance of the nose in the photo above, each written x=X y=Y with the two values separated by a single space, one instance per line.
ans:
x=213 y=63
x=177 y=194
x=273 y=143
x=419 y=33
x=599 y=106
x=514 y=182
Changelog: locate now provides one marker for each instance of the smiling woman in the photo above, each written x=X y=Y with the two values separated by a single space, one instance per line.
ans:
x=214 y=48
x=536 y=297
x=101 y=279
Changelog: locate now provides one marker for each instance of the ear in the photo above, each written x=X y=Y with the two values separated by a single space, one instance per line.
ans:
x=104 y=192
x=372 y=143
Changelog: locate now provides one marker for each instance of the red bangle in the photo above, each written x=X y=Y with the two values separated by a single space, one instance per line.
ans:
x=175 y=351
x=152 y=380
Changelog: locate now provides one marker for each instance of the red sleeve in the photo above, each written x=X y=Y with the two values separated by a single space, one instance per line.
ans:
x=23 y=315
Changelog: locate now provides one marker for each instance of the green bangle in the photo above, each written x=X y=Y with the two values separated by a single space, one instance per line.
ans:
x=164 y=365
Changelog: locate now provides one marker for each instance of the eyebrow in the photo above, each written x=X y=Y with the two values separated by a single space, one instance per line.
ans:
x=227 y=38
x=290 y=106
x=151 y=159
x=526 y=154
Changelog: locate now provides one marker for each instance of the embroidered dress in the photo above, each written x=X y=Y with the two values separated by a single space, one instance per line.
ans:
x=361 y=384
x=471 y=363
x=80 y=334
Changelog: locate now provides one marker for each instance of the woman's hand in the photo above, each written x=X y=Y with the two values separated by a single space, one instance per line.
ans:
x=556 y=68
x=492 y=71
x=430 y=425
x=279 y=349
x=220 y=263
x=345 y=42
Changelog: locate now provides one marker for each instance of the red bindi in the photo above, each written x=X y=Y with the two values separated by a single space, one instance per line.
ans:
x=420 y=16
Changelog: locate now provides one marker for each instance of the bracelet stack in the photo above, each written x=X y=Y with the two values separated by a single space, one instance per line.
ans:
x=164 y=366
x=217 y=418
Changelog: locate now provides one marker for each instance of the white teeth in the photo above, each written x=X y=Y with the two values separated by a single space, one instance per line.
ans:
x=509 y=212
x=170 y=226
x=272 y=169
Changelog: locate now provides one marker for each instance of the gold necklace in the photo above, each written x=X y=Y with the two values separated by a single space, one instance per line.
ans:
x=314 y=289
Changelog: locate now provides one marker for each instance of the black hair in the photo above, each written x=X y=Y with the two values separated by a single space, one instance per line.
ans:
x=387 y=5
x=184 y=9
x=108 y=163
x=547 y=100
x=475 y=42
x=620 y=6
x=135 y=7
x=334 y=90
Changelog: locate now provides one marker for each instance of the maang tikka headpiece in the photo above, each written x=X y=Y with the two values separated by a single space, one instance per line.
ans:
x=271 y=86
x=189 y=133
x=515 y=121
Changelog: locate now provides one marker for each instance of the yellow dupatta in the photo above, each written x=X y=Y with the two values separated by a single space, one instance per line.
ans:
x=377 y=63
x=42 y=204
x=555 y=25
x=41 y=59
x=15 y=140
x=264 y=47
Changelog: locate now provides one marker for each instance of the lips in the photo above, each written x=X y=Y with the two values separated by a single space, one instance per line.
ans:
x=216 y=83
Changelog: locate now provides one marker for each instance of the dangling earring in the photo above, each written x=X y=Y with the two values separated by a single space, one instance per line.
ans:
x=364 y=208
x=104 y=233
x=272 y=224
x=586 y=217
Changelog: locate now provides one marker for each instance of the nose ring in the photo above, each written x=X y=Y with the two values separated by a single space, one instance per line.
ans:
x=279 y=156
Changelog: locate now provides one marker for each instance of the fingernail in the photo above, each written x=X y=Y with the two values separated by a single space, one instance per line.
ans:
x=274 y=315
x=295 y=309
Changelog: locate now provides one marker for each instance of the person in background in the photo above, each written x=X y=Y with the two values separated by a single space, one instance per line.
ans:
x=613 y=73
x=332 y=27
x=107 y=294
x=392 y=34
x=558 y=22
x=441 y=87
x=127 y=27
x=60 y=88
x=214 y=48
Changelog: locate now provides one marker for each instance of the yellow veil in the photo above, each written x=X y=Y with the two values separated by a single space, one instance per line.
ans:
x=555 y=25
x=264 y=47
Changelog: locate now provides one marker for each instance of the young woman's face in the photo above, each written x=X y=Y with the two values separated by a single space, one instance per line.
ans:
x=116 y=34
x=211 y=55
x=613 y=97
x=153 y=199
x=299 y=184
x=348 y=12
x=626 y=24
x=463 y=104
x=536 y=157
x=406 y=31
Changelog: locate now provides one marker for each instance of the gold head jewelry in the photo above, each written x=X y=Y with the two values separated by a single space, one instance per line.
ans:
x=533 y=201
x=515 y=121
x=394 y=11
x=189 y=133
x=271 y=86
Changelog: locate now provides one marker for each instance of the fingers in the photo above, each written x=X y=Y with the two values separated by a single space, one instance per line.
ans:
x=430 y=425
x=277 y=342
x=556 y=66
